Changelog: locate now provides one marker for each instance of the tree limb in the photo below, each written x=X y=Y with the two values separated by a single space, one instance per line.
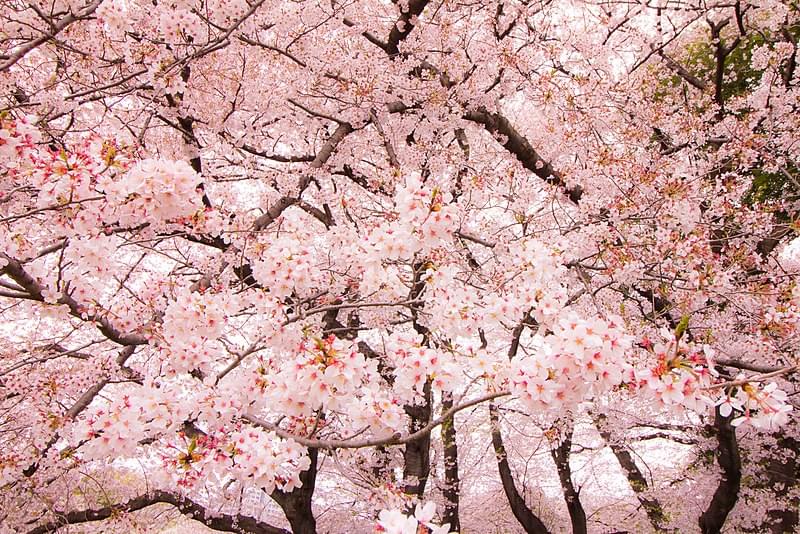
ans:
x=228 y=523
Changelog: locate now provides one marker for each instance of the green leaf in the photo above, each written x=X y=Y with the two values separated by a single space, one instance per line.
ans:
x=681 y=328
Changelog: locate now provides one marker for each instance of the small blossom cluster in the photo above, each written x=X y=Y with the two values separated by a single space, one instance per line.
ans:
x=414 y=365
x=536 y=284
x=582 y=358
x=765 y=408
x=683 y=378
x=70 y=179
x=379 y=411
x=679 y=377
x=191 y=321
x=529 y=281
x=325 y=373
x=154 y=189
x=114 y=430
x=285 y=266
x=115 y=16
x=398 y=522
x=178 y=24
x=18 y=139
x=251 y=456
x=93 y=254
x=424 y=220
x=452 y=308
x=261 y=458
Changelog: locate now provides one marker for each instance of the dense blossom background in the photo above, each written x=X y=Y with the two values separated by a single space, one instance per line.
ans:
x=414 y=266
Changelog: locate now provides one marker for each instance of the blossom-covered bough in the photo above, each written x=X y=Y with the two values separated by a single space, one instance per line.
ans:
x=322 y=266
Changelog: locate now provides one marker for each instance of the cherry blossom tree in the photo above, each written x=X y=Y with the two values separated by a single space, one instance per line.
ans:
x=405 y=266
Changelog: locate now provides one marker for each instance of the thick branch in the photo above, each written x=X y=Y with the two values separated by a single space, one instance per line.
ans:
x=572 y=498
x=679 y=69
x=296 y=504
x=518 y=145
x=653 y=508
x=404 y=25
x=396 y=439
x=746 y=366
x=720 y=55
x=224 y=522
x=80 y=405
x=322 y=157
x=15 y=270
x=55 y=29
x=372 y=38
x=304 y=158
x=387 y=143
x=416 y=454
x=529 y=521
x=452 y=481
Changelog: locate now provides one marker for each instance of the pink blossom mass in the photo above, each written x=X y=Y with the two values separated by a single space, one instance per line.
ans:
x=405 y=267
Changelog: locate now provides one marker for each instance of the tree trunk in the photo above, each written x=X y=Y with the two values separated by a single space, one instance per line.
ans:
x=560 y=454
x=416 y=455
x=529 y=521
x=653 y=509
x=727 y=492
x=782 y=476
x=296 y=505
x=451 y=479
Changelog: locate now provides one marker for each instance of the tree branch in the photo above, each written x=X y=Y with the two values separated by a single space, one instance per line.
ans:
x=652 y=507
x=404 y=25
x=518 y=145
x=228 y=523
x=15 y=270
x=275 y=211
x=55 y=29
x=396 y=439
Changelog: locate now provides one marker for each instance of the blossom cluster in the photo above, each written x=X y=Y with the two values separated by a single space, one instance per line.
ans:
x=423 y=219
x=324 y=373
x=247 y=455
x=261 y=458
x=582 y=358
x=398 y=522
x=93 y=254
x=415 y=364
x=679 y=376
x=684 y=378
x=764 y=407
x=528 y=282
x=379 y=410
x=18 y=138
x=285 y=266
x=115 y=429
x=154 y=189
x=191 y=322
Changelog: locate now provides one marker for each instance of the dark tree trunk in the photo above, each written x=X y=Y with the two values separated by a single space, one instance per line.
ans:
x=296 y=505
x=727 y=492
x=560 y=454
x=782 y=475
x=416 y=456
x=779 y=474
x=653 y=508
x=451 y=479
x=529 y=521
